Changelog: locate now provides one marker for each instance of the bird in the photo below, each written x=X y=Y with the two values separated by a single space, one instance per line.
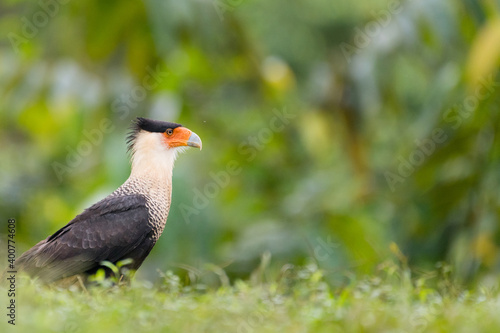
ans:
x=127 y=223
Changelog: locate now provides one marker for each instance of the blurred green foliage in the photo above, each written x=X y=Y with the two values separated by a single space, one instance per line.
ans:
x=392 y=135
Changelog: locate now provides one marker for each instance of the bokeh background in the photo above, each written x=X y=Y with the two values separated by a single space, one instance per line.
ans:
x=331 y=129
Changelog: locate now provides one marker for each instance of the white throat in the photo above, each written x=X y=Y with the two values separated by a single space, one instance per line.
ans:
x=152 y=159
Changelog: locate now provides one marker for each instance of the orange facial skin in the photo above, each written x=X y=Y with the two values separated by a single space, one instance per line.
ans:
x=181 y=136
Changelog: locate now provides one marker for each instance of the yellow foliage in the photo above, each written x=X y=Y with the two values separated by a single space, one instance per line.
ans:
x=485 y=53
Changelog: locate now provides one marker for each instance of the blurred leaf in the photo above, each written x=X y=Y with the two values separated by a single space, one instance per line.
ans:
x=484 y=55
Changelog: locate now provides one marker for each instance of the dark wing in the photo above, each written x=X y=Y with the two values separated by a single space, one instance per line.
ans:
x=108 y=230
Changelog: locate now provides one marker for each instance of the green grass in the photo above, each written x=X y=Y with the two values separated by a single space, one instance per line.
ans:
x=298 y=300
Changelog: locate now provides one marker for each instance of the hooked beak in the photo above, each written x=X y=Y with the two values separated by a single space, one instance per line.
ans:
x=194 y=141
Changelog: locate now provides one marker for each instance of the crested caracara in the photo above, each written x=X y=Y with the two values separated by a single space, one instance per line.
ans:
x=128 y=222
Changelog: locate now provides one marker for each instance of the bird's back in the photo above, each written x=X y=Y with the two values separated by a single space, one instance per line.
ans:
x=116 y=228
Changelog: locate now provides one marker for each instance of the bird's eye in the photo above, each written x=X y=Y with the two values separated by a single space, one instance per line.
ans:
x=170 y=131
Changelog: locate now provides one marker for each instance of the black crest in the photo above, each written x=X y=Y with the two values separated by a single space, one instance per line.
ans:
x=148 y=125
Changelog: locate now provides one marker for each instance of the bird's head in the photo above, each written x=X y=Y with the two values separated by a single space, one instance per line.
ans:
x=159 y=142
